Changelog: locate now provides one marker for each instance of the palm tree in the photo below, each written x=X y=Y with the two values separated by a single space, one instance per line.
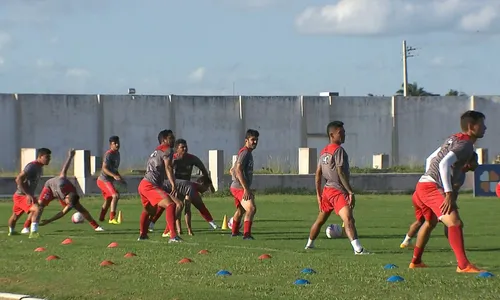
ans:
x=452 y=92
x=415 y=91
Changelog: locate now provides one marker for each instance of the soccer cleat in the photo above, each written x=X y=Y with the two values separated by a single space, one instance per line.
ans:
x=309 y=247
x=237 y=234
x=175 y=240
x=248 y=237
x=34 y=235
x=417 y=266
x=25 y=230
x=470 y=269
x=114 y=222
x=214 y=227
x=362 y=252
x=404 y=246
x=99 y=229
x=165 y=234
x=143 y=237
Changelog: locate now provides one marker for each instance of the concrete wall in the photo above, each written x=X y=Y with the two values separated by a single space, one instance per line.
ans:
x=408 y=129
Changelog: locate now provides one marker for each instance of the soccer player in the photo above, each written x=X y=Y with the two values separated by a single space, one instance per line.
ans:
x=337 y=195
x=24 y=198
x=151 y=190
x=183 y=168
x=244 y=199
x=105 y=181
x=62 y=189
x=434 y=191
x=185 y=190
x=458 y=179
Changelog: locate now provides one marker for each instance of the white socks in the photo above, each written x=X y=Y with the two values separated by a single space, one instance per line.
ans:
x=356 y=245
x=34 y=227
x=214 y=226
x=407 y=240
x=310 y=243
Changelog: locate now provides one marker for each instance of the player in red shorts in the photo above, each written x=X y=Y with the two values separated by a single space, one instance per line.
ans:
x=458 y=179
x=434 y=191
x=24 y=198
x=183 y=169
x=151 y=190
x=62 y=189
x=337 y=195
x=105 y=181
x=244 y=199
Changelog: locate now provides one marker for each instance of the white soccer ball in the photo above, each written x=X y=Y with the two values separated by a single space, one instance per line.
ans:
x=77 y=218
x=334 y=231
x=230 y=223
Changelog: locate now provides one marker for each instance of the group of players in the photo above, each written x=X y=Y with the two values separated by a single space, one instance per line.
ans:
x=167 y=186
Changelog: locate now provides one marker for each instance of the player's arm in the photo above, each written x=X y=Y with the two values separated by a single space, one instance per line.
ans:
x=317 y=179
x=199 y=164
x=338 y=157
x=445 y=168
x=57 y=216
x=106 y=162
x=21 y=180
x=238 y=170
x=66 y=164
x=169 y=168
x=430 y=158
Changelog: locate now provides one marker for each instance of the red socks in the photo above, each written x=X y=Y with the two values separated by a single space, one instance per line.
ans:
x=159 y=212
x=236 y=227
x=170 y=218
x=144 y=223
x=247 y=228
x=27 y=224
x=94 y=224
x=112 y=215
x=455 y=237
x=417 y=255
x=205 y=213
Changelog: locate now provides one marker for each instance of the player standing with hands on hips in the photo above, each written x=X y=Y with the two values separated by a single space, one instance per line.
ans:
x=337 y=195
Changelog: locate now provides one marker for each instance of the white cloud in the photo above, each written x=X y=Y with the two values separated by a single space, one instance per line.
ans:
x=379 y=17
x=76 y=72
x=5 y=39
x=198 y=74
x=2 y=61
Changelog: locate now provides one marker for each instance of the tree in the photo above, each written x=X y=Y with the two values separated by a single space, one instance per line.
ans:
x=452 y=92
x=415 y=91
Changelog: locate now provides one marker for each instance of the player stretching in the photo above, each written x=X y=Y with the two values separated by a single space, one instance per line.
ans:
x=458 y=179
x=434 y=191
x=24 y=198
x=337 y=195
x=62 y=189
x=183 y=169
x=151 y=187
x=109 y=173
x=240 y=187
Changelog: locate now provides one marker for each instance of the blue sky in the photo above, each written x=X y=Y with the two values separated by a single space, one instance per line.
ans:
x=263 y=47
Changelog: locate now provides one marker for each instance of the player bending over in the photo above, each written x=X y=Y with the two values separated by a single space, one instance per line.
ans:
x=244 y=199
x=185 y=190
x=434 y=191
x=105 y=181
x=24 y=198
x=158 y=168
x=62 y=189
x=337 y=195
x=183 y=169
x=458 y=179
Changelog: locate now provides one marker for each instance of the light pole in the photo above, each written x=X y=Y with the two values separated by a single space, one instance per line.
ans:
x=407 y=50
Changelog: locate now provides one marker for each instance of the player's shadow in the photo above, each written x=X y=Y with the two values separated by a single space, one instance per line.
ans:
x=385 y=236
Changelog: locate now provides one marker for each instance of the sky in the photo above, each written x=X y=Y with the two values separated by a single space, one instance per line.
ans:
x=248 y=47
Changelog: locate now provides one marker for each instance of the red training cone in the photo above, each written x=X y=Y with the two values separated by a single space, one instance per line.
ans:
x=130 y=254
x=204 y=251
x=39 y=249
x=52 y=257
x=185 y=261
x=105 y=263
x=113 y=245
x=264 y=256
x=67 y=242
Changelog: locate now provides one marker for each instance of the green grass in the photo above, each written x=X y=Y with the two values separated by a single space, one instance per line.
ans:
x=280 y=229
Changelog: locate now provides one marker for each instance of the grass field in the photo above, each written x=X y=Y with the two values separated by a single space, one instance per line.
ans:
x=280 y=229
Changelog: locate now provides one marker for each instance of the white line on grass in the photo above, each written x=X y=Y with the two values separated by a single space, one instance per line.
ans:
x=10 y=296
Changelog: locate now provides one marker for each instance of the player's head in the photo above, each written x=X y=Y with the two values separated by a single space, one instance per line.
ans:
x=251 y=139
x=336 y=132
x=181 y=147
x=114 y=143
x=166 y=137
x=43 y=156
x=472 y=123
x=72 y=199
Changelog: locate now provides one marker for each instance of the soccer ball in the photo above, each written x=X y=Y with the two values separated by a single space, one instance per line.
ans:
x=334 y=231
x=77 y=218
x=230 y=223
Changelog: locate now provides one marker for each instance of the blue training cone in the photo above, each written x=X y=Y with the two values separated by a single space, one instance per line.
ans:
x=395 y=278
x=485 y=275
x=390 y=266
x=308 y=271
x=223 y=273
x=301 y=282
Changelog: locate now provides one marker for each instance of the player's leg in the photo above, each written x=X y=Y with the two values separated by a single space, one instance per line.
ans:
x=107 y=199
x=250 y=210
x=423 y=236
x=86 y=214
x=187 y=216
x=27 y=225
x=13 y=220
x=155 y=218
x=170 y=204
x=238 y=214
x=346 y=214
x=415 y=226
x=198 y=203
x=19 y=207
x=149 y=210
x=316 y=227
x=114 y=206
x=34 y=213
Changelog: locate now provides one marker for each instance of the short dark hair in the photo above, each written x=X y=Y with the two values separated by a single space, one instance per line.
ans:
x=333 y=125
x=42 y=152
x=114 y=139
x=164 y=134
x=180 y=141
x=252 y=133
x=470 y=117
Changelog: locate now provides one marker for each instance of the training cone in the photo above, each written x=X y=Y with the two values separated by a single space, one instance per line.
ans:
x=204 y=251
x=185 y=261
x=308 y=271
x=39 y=249
x=485 y=275
x=390 y=266
x=113 y=245
x=120 y=217
x=130 y=254
x=67 y=242
x=264 y=256
x=224 y=223
x=395 y=278
x=52 y=257
x=301 y=282
x=105 y=263
x=223 y=273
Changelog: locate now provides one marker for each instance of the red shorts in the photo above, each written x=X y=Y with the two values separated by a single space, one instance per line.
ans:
x=422 y=212
x=333 y=200
x=107 y=189
x=46 y=197
x=21 y=204
x=498 y=190
x=151 y=194
x=430 y=197
x=237 y=195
